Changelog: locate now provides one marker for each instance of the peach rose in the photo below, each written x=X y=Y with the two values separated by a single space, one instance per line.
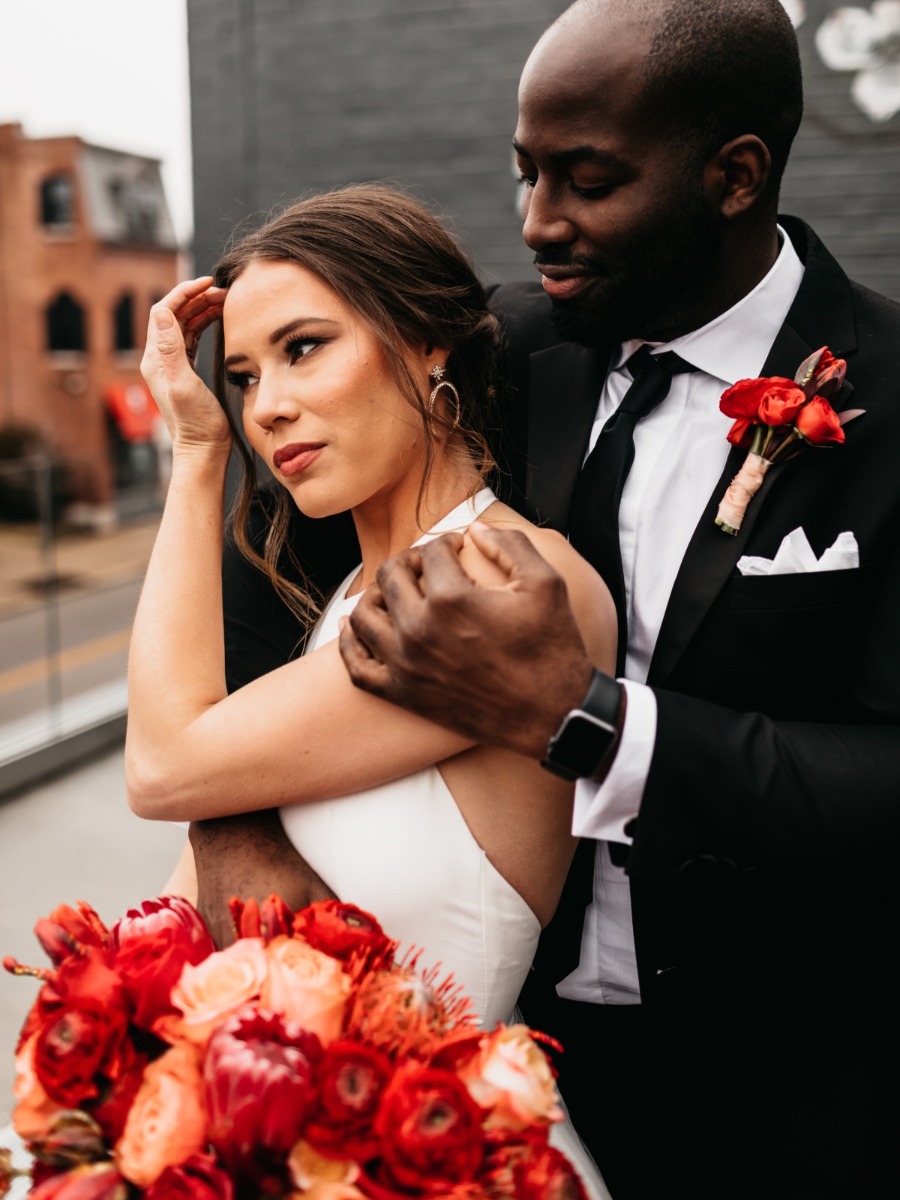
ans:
x=34 y=1110
x=167 y=1121
x=214 y=989
x=306 y=986
x=511 y=1076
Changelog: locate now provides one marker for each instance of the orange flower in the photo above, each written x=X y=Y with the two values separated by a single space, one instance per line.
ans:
x=35 y=1110
x=306 y=986
x=510 y=1075
x=167 y=1122
x=214 y=989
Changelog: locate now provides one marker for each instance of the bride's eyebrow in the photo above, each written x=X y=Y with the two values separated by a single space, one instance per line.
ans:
x=301 y=322
x=283 y=330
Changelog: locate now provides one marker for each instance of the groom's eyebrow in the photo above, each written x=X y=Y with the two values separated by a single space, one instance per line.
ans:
x=577 y=154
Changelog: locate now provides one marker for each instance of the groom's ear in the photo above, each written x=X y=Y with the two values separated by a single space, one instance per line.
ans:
x=737 y=176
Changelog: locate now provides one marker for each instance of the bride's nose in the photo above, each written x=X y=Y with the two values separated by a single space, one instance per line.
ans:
x=273 y=401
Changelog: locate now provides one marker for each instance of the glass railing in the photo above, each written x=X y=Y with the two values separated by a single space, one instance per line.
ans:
x=69 y=582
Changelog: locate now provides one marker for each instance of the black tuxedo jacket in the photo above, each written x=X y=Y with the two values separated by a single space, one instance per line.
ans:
x=765 y=884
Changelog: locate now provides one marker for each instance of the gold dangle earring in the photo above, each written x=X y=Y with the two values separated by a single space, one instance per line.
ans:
x=437 y=373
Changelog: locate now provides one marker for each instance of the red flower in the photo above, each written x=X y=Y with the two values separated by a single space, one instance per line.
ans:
x=430 y=1129
x=260 y=1085
x=273 y=919
x=151 y=947
x=740 y=434
x=99 y=1181
x=81 y=1019
x=110 y=1110
x=352 y=1077
x=198 y=1178
x=818 y=423
x=341 y=930
x=67 y=932
x=547 y=1175
x=771 y=400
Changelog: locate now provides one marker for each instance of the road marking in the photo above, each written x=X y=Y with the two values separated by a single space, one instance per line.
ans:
x=78 y=656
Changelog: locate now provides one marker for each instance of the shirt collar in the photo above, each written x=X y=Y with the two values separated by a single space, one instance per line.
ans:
x=735 y=344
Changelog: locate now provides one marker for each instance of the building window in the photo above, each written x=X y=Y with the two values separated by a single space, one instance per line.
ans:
x=65 y=324
x=57 y=202
x=123 y=323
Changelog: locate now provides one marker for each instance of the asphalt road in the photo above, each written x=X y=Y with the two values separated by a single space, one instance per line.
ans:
x=62 y=648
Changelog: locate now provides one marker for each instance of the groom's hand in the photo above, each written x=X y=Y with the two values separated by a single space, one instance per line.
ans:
x=499 y=664
x=248 y=855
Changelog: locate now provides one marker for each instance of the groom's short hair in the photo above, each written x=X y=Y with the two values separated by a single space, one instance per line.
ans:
x=716 y=69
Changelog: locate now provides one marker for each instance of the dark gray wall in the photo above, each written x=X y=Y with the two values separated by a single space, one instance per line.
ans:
x=293 y=95
x=297 y=95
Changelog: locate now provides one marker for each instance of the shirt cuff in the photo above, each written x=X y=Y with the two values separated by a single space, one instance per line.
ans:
x=602 y=810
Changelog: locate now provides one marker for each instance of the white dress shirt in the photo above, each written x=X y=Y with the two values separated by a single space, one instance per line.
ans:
x=679 y=454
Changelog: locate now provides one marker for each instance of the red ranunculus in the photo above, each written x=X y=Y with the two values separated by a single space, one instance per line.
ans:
x=98 y=1181
x=74 y=1049
x=67 y=931
x=151 y=946
x=547 y=1175
x=771 y=400
x=273 y=918
x=341 y=930
x=741 y=432
x=430 y=1129
x=260 y=1076
x=819 y=423
x=198 y=1178
x=81 y=1029
x=352 y=1077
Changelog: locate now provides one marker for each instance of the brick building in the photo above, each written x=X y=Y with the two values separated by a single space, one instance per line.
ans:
x=293 y=96
x=86 y=246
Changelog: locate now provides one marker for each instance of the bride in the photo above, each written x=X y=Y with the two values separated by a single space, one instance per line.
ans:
x=358 y=339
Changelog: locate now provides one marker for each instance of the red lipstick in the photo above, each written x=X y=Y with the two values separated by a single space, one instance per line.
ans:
x=296 y=457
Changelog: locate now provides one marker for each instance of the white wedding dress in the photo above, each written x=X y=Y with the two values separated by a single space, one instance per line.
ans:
x=403 y=852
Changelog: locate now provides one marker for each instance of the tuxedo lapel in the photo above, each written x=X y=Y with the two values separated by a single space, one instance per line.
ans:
x=564 y=389
x=821 y=315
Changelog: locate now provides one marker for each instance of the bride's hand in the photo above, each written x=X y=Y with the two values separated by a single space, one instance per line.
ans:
x=192 y=414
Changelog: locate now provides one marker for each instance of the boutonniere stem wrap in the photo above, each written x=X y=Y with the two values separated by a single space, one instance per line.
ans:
x=776 y=418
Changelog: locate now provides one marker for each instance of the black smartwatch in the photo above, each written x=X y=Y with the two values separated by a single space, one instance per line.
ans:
x=588 y=733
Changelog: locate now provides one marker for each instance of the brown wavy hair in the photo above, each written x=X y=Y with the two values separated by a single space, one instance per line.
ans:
x=391 y=261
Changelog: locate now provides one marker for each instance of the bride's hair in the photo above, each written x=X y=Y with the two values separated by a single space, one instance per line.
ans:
x=392 y=262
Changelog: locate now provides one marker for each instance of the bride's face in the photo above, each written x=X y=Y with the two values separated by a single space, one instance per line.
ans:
x=320 y=404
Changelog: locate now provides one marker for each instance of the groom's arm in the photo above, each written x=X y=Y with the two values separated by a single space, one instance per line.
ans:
x=250 y=855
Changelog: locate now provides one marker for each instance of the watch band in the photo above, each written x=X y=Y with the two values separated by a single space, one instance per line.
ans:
x=589 y=733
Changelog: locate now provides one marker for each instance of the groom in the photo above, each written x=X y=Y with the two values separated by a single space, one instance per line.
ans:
x=730 y=1023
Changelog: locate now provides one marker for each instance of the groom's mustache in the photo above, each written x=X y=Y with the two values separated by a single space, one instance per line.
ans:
x=553 y=256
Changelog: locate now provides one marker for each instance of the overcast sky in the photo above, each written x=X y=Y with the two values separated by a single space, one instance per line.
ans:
x=115 y=72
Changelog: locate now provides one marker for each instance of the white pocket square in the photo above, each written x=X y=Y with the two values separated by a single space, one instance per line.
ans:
x=795 y=557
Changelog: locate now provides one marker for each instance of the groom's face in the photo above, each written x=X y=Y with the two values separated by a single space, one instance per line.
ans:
x=616 y=212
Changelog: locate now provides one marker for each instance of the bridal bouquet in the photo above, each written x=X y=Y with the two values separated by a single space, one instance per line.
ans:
x=304 y=1060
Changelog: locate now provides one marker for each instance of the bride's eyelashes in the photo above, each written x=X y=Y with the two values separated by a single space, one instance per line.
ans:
x=295 y=347
x=298 y=347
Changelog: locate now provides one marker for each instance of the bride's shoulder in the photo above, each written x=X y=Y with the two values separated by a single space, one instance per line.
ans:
x=589 y=596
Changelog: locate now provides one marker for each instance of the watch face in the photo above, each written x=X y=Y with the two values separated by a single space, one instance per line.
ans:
x=581 y=743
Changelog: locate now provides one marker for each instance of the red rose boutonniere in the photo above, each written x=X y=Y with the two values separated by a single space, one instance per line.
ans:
x=776 y=418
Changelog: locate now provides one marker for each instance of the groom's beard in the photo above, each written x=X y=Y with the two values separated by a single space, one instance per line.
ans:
x=638 y=287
